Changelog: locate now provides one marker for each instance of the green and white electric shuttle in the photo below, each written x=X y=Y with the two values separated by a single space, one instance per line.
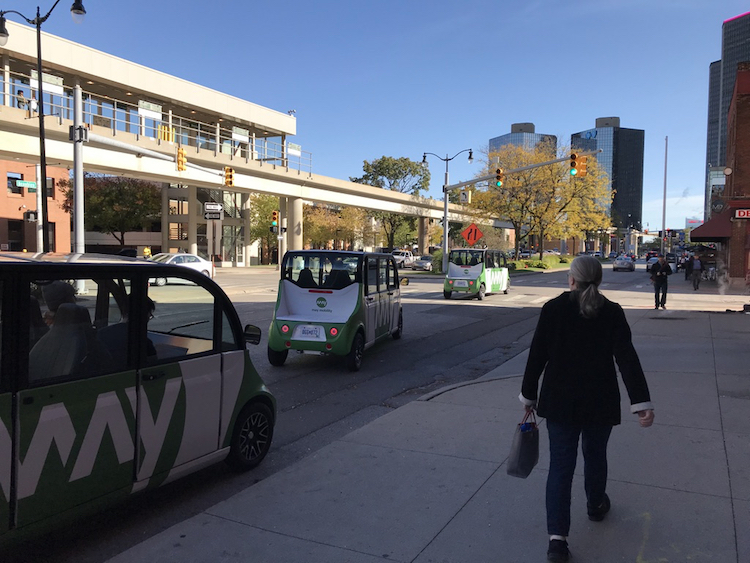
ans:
x=476 y=272
x=109 y=385
x=335 y=302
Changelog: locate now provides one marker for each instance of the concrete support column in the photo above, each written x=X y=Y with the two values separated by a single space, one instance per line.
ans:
x=294 y=224
x=423 y=235
x=6 y=81
x=165 y=215
x=193 y=209
x=246 y=225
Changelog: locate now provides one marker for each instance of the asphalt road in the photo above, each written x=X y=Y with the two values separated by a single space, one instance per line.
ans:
x=319 y=400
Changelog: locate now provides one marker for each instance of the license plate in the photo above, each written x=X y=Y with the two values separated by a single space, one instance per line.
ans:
x=461 y=283
x=314 y=333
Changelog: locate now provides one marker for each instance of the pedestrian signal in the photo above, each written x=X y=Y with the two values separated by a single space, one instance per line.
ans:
x=582 y=162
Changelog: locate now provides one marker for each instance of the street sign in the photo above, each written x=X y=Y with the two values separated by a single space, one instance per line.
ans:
x=213 y=206
x=472 y=234
x=31 y=186
x=212 y=215
x=464 y=196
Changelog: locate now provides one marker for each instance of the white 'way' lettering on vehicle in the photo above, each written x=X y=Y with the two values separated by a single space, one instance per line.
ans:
x=54 y=425
x=153 y=431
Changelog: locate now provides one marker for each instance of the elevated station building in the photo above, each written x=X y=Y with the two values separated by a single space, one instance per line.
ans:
x=136 y=119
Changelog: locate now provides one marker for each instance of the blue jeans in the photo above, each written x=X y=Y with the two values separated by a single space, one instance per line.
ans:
x=563 y=448
x=660 y=288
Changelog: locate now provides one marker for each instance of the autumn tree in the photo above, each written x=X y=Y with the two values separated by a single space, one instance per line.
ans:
x=115 y=204
x=400 y=175
x=545 y=200
x=261 y=208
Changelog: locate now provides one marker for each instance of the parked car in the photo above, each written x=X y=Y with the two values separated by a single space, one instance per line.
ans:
x=185 y=260
x=612 y=255
x=650 y=262
x=404 y=258
x=623 y=262
x=111 y=386
x=423 y=263
x=524 y=254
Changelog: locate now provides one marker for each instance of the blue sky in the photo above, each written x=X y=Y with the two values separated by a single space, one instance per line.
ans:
x=400 y=78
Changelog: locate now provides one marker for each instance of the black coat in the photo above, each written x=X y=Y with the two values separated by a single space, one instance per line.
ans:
x=578 y=357
x=660 y=274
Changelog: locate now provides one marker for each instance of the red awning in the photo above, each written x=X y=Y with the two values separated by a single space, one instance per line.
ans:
x=718 y=227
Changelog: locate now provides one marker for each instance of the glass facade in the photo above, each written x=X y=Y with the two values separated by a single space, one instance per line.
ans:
x=526 y=140
x=735 y=48
x=622 y=160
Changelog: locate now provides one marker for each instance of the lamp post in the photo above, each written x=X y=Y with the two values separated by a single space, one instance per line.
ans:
x=77 y=11
x=445 y=197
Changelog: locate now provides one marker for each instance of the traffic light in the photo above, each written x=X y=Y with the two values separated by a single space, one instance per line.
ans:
x=181 y=159
x=499 y=177
x=228 y=176
x=573 y=164
x=275 y=218
x=582 y=162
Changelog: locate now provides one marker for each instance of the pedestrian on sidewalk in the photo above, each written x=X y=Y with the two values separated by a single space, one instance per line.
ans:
x=689 y=268
x=697 y=272
x=660 y=273
x=579 y=394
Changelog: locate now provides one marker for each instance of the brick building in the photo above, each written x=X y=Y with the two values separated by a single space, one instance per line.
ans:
x=730 y=224
x=21 y=196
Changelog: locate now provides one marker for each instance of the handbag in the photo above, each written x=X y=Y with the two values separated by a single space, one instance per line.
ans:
x=524 y=452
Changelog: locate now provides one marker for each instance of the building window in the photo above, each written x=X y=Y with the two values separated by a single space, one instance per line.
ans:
x=13 y=187
x=51 y=188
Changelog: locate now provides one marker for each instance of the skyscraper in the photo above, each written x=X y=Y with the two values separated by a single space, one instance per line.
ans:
x=735 y=48
x=522 y=135
x=622 y=159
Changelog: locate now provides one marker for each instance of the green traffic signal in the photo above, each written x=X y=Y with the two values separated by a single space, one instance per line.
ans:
x=499 y=177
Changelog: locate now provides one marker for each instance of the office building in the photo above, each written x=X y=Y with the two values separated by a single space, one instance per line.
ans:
x=522 y=135
x=622 y=160
x=735 y=48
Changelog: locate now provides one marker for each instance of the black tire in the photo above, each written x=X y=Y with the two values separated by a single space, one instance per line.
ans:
x=277 y=358
x=400 y=328
x=251 y=437
x=447 y=294
x=161 y=282
x=354 y=357
x=482 y=292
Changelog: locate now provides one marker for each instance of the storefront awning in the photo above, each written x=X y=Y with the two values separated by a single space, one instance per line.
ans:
x=717 y=228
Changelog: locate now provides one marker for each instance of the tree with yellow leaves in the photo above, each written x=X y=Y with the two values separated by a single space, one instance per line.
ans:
x=546 y=200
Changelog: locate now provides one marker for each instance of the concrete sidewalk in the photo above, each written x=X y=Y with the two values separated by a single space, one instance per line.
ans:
x=427 y=482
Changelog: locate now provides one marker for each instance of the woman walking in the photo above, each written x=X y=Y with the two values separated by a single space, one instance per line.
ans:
x=579 y=392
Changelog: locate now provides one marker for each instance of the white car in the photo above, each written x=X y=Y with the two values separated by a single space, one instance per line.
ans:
x=185 y=260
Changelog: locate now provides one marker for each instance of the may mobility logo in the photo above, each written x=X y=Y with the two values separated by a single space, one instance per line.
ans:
x=322 y=304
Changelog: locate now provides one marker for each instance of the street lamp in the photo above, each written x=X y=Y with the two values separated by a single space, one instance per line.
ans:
x=445 y=197
x=77 y=11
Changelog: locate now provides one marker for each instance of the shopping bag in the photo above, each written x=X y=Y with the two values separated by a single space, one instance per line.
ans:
x=524 y=453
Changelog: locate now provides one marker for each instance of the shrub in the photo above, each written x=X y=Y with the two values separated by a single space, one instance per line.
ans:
x=540 y=264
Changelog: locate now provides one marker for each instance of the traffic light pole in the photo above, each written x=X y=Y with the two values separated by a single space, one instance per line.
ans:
x=451 y=187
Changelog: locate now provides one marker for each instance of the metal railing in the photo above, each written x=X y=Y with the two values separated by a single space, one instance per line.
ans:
x=121 y=116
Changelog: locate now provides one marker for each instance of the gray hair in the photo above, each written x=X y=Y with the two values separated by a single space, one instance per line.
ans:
x=586 y=272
